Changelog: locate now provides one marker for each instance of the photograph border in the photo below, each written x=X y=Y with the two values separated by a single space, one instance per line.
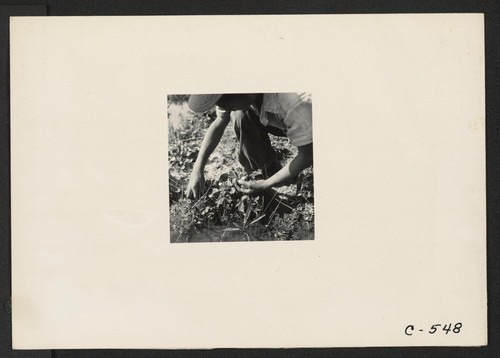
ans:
x=492 y=29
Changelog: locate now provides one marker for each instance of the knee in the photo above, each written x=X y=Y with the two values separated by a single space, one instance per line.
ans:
x=241 y=121
x=238 y=120
x=237 y=117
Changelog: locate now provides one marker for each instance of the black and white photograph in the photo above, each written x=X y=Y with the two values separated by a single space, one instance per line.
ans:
x=337 y=160
x=240 y=167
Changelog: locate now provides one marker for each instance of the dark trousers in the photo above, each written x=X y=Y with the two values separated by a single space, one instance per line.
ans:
x=255 y=150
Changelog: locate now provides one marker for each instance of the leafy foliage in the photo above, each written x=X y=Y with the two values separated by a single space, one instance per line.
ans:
x=283 y=215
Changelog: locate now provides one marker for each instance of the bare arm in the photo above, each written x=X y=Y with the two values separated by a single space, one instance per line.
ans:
x=210 y=141
x=212 y=138
x=302 y=161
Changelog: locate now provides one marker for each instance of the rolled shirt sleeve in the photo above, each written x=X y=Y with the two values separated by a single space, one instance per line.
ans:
x=298 y=118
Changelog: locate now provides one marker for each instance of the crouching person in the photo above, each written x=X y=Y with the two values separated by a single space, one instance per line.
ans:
x=254 y=117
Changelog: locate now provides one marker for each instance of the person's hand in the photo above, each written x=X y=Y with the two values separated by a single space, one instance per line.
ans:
x=196 y=185
x=251 y=187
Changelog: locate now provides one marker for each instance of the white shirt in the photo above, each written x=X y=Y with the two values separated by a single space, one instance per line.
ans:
x=290 y=112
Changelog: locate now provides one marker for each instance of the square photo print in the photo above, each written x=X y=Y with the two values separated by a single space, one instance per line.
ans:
x=240 y=167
